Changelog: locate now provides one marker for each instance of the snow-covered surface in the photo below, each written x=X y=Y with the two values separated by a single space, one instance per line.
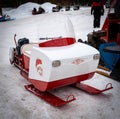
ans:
x=25 y=10
x=17 y=103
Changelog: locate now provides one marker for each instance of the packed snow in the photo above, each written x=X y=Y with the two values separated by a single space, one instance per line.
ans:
x=81 y=19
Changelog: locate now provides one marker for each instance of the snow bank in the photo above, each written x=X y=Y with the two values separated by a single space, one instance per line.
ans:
x=48 y=6
x=25 y=10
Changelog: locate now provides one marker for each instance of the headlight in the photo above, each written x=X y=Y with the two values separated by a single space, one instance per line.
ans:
x=96 y=57
x=56 y=63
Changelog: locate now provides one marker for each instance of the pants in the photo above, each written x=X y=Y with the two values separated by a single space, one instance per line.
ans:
x=96 y=21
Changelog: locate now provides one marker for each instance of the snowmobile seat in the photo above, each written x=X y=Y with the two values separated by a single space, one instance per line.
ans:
x=26 y=48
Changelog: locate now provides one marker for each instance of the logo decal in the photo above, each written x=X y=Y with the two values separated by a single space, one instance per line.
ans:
x=77 y=61
x=38 y=66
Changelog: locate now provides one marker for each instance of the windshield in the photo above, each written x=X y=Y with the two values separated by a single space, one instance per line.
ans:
x=55 y=26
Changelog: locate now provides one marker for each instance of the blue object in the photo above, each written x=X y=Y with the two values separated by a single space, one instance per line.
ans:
x=109 y=59
x=4 y=18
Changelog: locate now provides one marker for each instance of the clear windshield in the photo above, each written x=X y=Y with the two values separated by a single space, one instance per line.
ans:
x=55 y=26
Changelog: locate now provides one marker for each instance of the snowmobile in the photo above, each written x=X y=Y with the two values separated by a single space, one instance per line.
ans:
x=56 y=62
x=56 y=8
x=39 y=11
x=5 y=18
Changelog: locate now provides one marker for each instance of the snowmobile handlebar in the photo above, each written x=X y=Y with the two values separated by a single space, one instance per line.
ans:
x=15 y=40
x=46 y=38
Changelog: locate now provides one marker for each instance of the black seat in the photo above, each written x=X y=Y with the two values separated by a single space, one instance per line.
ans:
x=20 y=43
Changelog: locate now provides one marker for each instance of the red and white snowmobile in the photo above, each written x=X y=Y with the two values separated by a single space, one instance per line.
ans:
x=55 y=63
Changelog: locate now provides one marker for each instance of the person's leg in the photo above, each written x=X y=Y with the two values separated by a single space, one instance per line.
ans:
x=98 y=22
x=95 y=22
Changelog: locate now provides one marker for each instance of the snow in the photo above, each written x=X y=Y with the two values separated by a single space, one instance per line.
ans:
x=48 y=6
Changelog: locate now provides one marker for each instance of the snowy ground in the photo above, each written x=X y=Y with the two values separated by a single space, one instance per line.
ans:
x=17 y=103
